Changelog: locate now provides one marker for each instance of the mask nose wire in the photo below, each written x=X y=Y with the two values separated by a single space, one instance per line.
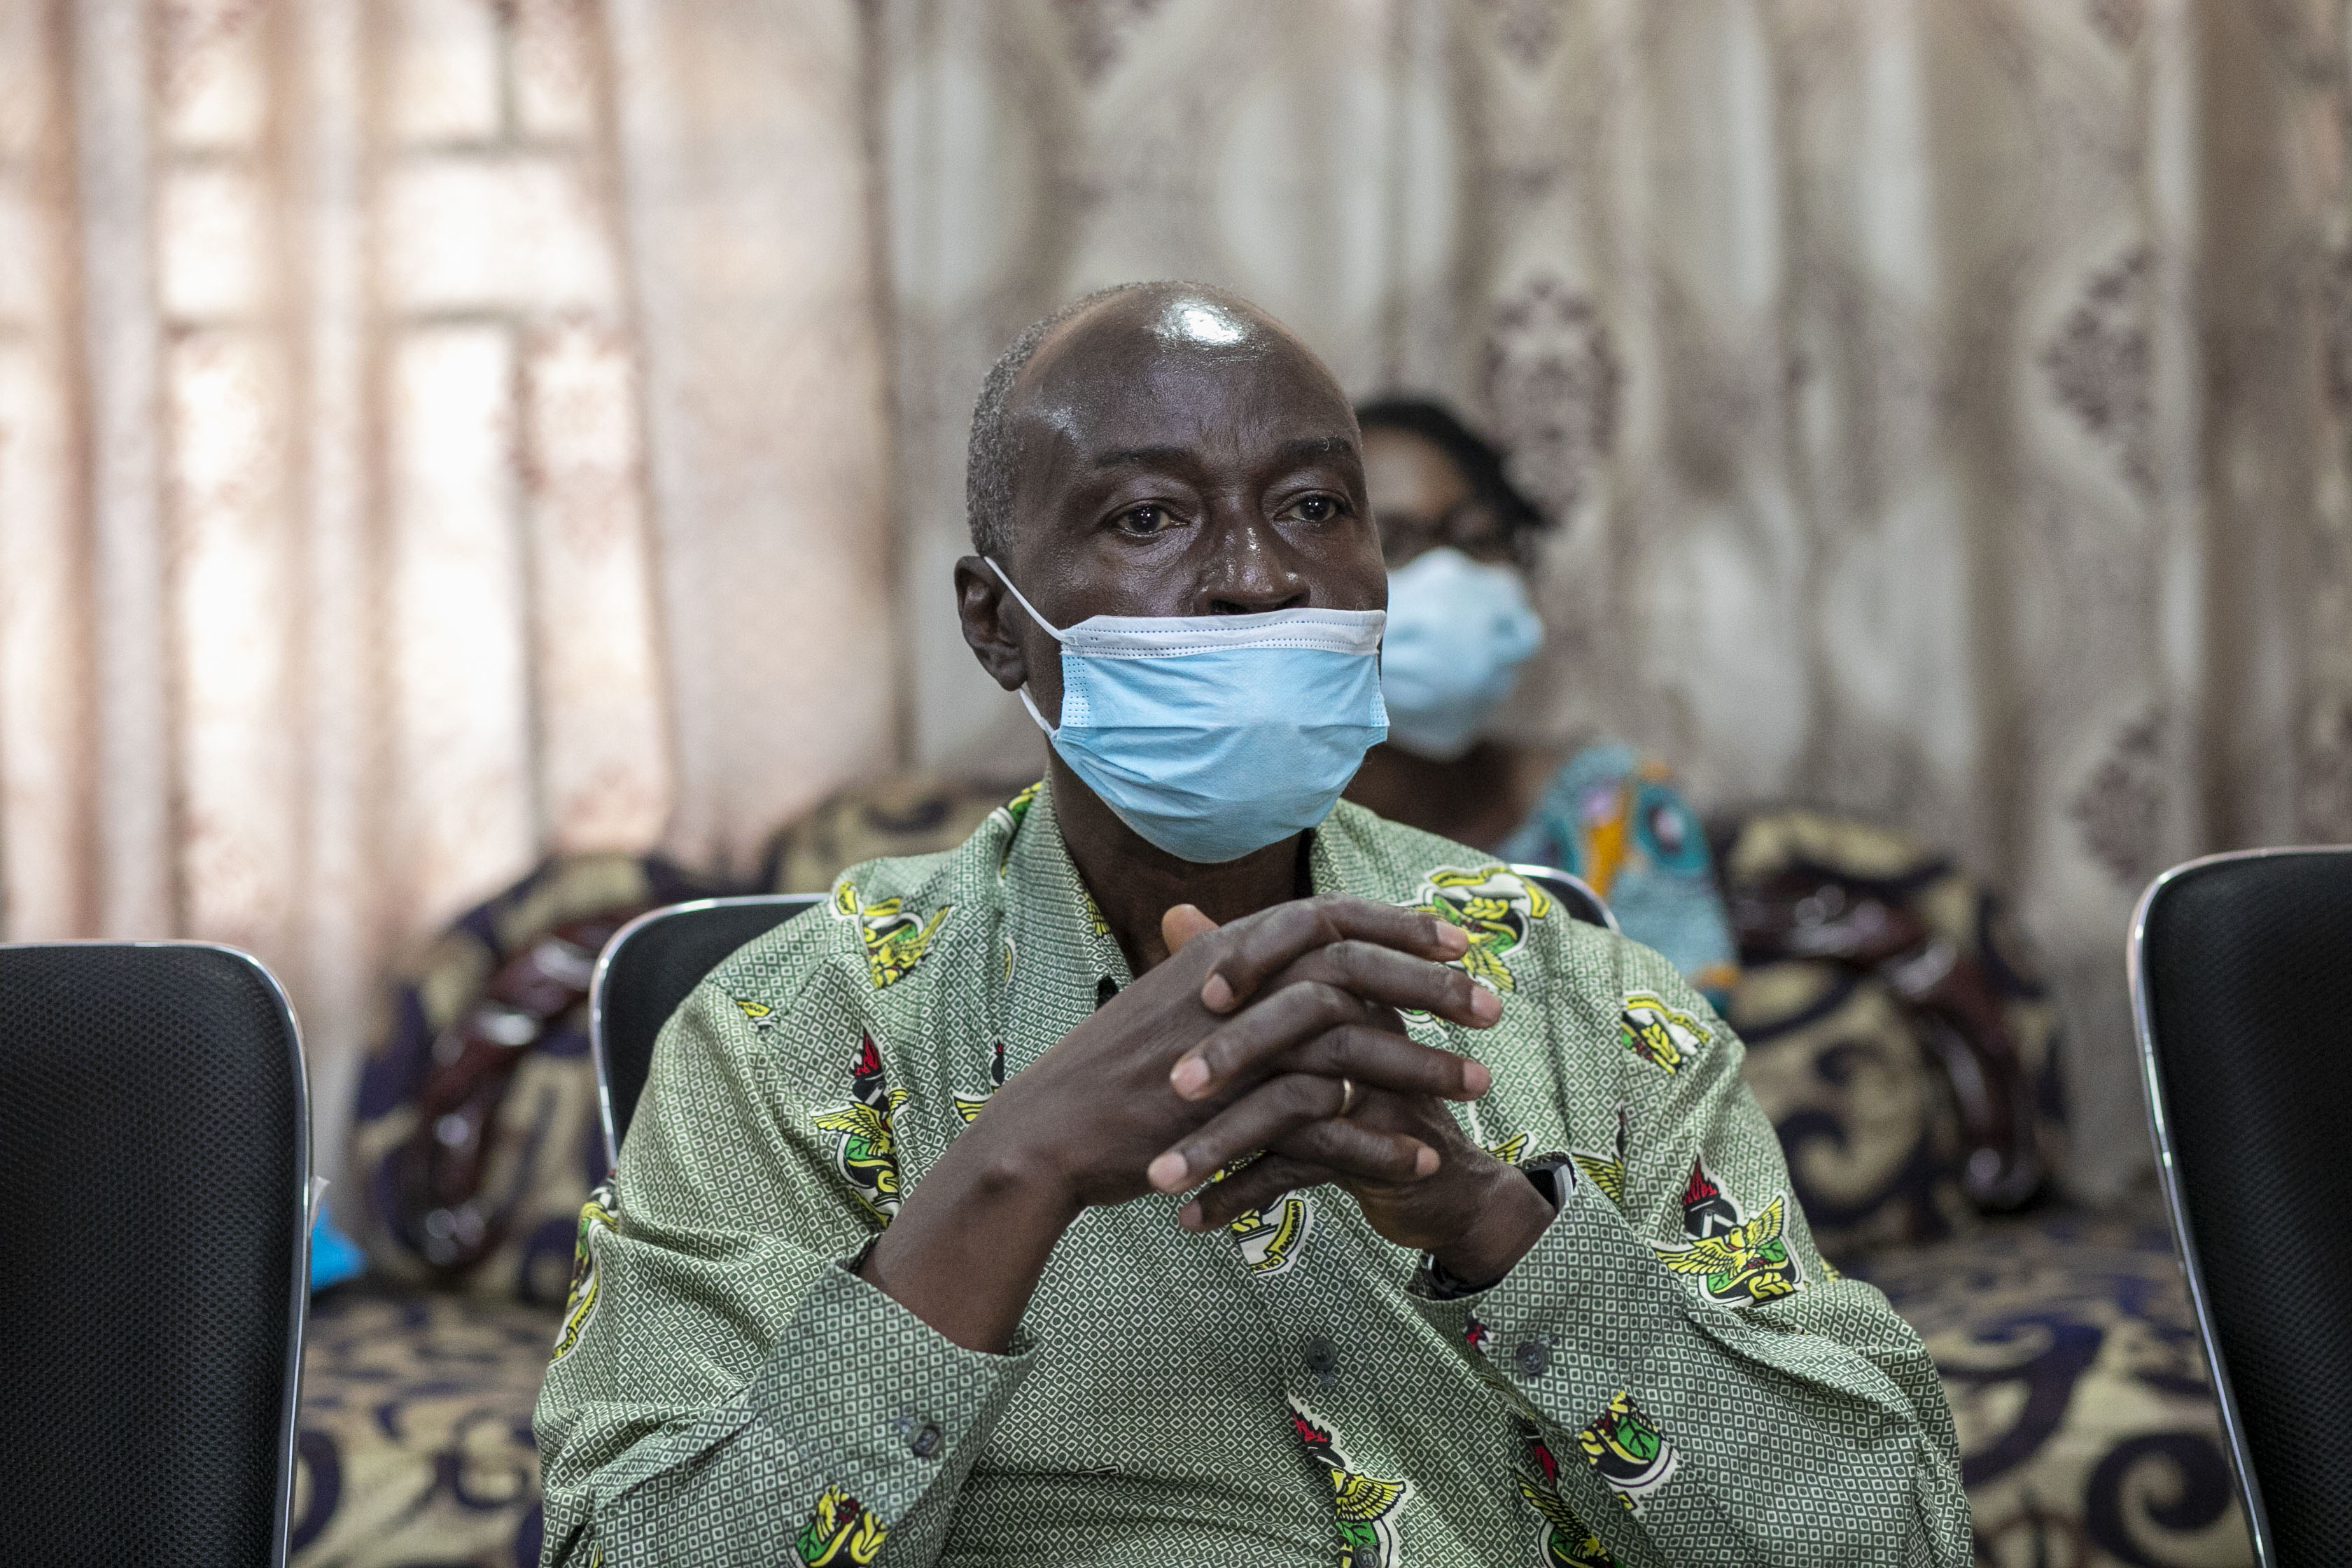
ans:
x=1051 y=630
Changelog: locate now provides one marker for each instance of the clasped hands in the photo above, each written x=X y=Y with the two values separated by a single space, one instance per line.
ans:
x=1277 y=1037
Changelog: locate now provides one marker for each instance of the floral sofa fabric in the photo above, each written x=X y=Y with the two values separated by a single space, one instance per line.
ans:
x=2088 y=1435
x=415 y=1449
x=2088 y=1432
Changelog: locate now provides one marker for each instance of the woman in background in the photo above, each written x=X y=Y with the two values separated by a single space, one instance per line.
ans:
x=1460 y=543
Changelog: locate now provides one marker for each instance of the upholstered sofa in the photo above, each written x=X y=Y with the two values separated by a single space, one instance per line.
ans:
x=2086 y=1423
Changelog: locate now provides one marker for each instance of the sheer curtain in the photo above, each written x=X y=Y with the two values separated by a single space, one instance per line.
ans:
x=385 y=498
x=433 y=432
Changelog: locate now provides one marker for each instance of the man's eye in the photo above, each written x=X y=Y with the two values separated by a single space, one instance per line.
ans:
x=1143 y=519
x=1317 y=509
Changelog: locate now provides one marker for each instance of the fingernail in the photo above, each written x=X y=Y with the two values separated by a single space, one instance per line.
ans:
x=1475 y=1080
x=1425 y=1162
x=1453 y=940
x=1485 y=1006
x=1216 y=996
x=1190 y=1077
x=1166 y=1173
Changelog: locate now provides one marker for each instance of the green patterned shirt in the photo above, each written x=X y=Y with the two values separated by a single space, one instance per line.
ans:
x=1671 y=1374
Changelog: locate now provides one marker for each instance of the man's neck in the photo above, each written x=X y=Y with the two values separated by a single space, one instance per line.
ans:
x=1477 y=798
x=1135 y=883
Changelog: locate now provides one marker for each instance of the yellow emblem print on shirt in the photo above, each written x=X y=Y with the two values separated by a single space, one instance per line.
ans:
x=1606 y=1171
x=895 y=940
x=1495 y=906
x=1364 y=1508
x=763 y=1017
x=1272 y=1240
x=840 y=1530
x=866 y=1149
x=1564 y=1539
x=1662 y=1036
x=600 y=1209
x=1632 y=1456
x=1743 y=1267
x=1510 y=1150
x=1008 y=817
x=970 y=1105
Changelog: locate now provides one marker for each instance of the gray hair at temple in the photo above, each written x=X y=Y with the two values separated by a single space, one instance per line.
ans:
x=996 y=447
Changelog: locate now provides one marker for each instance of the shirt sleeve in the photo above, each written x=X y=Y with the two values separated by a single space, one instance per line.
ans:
x=1707 y=1389
x=725 y=1388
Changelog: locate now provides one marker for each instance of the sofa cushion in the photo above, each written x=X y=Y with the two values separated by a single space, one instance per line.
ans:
x=2088 y=1433
x=507 y=1174
x=1899 y=1036
x=415 y=1448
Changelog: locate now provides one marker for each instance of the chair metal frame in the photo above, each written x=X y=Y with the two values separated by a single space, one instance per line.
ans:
x=2176 y=1204
x=305 y=1213
x=1554 y=874
x=596 y=982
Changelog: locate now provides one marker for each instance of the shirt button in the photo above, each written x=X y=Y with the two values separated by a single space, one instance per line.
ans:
x=924 y=1443
x=1320 y=1357
x=1533 y=1358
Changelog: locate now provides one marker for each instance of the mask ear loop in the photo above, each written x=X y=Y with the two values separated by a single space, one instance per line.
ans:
x=1050 y=629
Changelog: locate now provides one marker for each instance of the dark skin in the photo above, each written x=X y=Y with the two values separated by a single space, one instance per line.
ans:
x=1423 y=500
x=1182 y=455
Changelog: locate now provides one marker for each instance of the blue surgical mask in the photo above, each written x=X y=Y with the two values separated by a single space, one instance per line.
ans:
x=1212 y=736
x=1458 y=631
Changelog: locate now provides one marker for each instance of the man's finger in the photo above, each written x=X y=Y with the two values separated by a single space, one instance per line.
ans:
x=1352 y=1150
x=1262 y=1182
x=1267 y=943
x=1181 y=924
x=1376 y=1058
x=1270 y=1112
x=1322 y=991
x=1248 y=1042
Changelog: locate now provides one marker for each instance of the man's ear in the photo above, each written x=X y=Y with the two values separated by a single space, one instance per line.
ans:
x=980 y=601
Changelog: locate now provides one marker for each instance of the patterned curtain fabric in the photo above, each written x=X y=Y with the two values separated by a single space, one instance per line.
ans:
x=435 y=432
x=1943 y=402
x=432 y=434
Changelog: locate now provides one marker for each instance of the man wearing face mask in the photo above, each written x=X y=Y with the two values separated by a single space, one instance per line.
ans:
x=1193 y=1169
x=1459 y=539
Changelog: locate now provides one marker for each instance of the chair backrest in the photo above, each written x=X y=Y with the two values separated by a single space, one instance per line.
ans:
x=2242 y=988
x=648 y=968
x=1575 y=894
x=156 y=1152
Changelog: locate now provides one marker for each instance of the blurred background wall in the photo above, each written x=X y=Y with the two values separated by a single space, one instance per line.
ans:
x=436 y=431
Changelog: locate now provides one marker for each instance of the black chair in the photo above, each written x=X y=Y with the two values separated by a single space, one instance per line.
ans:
x=648 y=968
x=2241 y=989
x=651 y=964
x=1575 y=894
x=155 y=1155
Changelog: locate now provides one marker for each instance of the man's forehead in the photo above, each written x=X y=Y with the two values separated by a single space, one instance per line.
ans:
x=1184 y=363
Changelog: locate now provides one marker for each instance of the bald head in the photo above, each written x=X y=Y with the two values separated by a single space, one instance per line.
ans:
x=1054 y=368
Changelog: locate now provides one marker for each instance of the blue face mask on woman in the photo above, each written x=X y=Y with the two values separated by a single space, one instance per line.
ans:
x=1458 y=631
x=1212 y=736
